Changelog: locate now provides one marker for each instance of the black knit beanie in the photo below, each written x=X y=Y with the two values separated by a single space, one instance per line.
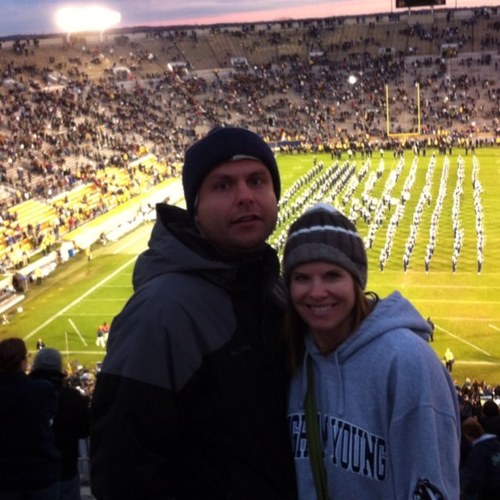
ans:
x=220 y=145
x=323 y=234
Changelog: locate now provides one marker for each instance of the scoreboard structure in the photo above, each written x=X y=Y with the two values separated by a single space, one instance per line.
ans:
x=405 y=4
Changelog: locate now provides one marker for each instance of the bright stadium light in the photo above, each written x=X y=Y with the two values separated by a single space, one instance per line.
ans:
x=352 y=79
x=87 y=18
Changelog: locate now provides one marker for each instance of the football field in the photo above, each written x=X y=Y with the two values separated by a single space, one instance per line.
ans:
x=67 y=308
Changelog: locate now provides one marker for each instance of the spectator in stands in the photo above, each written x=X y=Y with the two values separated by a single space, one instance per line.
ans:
x=190 y=401
x=71 y=421
x=29 y=459
x=480 y=476
x=490 y=419
x=347 y=346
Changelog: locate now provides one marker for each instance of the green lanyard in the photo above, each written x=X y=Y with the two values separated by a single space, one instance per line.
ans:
x=313 y=443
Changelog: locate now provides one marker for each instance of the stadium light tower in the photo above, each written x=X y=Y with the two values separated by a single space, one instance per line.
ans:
x=87 y=18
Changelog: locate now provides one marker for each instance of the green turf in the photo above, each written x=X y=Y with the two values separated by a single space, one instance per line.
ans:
x=465 y=306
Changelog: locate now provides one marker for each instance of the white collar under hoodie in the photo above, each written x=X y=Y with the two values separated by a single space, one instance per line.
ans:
x=388 y=412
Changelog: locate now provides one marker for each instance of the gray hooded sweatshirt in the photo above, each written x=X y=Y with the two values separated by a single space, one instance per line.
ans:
x=388 y=413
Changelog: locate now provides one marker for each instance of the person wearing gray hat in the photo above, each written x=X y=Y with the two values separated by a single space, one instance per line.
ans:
x=190 y=401
x=373 y=411
x=71 y=421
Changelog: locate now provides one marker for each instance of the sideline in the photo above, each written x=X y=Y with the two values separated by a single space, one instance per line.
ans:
x=120 y=249
x=135 y=239
x=79 y=299
x=474 y=363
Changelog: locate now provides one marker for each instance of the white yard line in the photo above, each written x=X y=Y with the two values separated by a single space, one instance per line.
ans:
x=139 y=237
x=79 y=299
x=454 y=301
x=77 y=331
x=463 y=341
x=494 y=327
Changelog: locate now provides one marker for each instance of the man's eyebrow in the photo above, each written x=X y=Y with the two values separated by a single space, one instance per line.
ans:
x=216 y=177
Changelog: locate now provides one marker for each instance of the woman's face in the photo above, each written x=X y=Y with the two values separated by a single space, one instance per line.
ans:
x=323 y=295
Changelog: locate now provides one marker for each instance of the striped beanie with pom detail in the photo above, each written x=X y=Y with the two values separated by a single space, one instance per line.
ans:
x=323 y=234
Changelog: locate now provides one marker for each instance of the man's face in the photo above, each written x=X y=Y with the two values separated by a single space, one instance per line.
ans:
x=237 y=207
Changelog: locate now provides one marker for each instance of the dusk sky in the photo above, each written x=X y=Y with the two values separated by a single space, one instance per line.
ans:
x=23 y=17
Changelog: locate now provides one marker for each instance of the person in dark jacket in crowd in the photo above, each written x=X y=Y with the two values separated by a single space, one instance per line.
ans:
x=71 y=421
x=30 y=463
x=191 y=399
x=480 y=476
x=490 y=418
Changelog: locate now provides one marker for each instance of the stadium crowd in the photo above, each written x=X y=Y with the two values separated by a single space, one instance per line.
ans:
x=86 y=112
x=54 y=134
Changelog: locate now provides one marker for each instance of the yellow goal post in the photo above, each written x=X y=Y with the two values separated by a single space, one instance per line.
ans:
x=403 y=135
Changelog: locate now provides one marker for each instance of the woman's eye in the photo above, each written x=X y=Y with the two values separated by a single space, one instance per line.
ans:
x=332 y=276
x=299 y=278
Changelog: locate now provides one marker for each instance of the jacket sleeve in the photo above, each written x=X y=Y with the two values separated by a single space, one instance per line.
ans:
x=425 y=427
x=134 y=424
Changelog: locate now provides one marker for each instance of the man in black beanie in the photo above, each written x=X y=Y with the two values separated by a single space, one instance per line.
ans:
x=191 y=399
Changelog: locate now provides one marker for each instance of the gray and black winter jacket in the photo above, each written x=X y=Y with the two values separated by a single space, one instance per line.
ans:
x=191 y=399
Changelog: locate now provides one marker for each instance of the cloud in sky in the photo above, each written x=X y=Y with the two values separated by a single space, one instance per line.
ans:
x=21 y=17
